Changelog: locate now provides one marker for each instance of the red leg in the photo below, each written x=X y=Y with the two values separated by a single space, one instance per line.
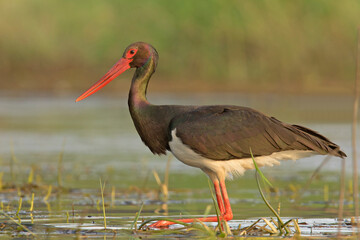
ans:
x=223 y=203
x=219 y=199
x=228 y=212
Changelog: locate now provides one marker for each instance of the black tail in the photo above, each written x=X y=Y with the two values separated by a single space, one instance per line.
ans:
x=321 y=141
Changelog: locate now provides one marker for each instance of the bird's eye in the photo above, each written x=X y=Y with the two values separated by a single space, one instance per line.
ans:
x=131 y=53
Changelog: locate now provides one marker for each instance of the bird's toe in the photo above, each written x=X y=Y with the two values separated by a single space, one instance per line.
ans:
x=161 y=224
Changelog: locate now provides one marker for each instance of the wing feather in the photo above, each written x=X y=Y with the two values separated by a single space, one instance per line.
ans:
x=228 y=132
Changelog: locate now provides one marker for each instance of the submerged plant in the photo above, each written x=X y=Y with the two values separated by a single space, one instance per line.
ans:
x=17 y=223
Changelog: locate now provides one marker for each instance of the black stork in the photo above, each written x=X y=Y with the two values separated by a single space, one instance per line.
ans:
x=217 y=139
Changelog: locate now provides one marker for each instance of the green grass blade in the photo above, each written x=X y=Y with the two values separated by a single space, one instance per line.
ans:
x=133 y=225
x=102 y=187
x=259 y=171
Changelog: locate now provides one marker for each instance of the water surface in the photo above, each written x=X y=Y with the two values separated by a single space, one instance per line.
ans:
x=98 y=139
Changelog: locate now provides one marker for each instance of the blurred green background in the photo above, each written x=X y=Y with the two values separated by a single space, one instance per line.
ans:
x=204 y=45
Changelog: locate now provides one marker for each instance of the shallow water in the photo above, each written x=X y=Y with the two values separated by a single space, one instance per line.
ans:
x=99 y=140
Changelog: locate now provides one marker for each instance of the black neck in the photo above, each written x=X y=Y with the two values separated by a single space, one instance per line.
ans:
x=139 y=84
x=150 y=121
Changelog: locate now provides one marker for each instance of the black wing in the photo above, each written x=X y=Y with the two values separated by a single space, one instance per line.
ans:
x=228 y=132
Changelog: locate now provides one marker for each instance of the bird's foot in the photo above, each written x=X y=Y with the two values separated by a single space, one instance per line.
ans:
x=161 y=224
x=164 y=223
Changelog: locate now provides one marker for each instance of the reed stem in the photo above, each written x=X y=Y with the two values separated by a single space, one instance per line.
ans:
x=354 y=131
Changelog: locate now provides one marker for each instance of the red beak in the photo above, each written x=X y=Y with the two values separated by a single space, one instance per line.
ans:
x=121 y=66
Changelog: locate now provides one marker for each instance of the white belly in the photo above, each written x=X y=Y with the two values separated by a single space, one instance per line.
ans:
x=228 y=168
